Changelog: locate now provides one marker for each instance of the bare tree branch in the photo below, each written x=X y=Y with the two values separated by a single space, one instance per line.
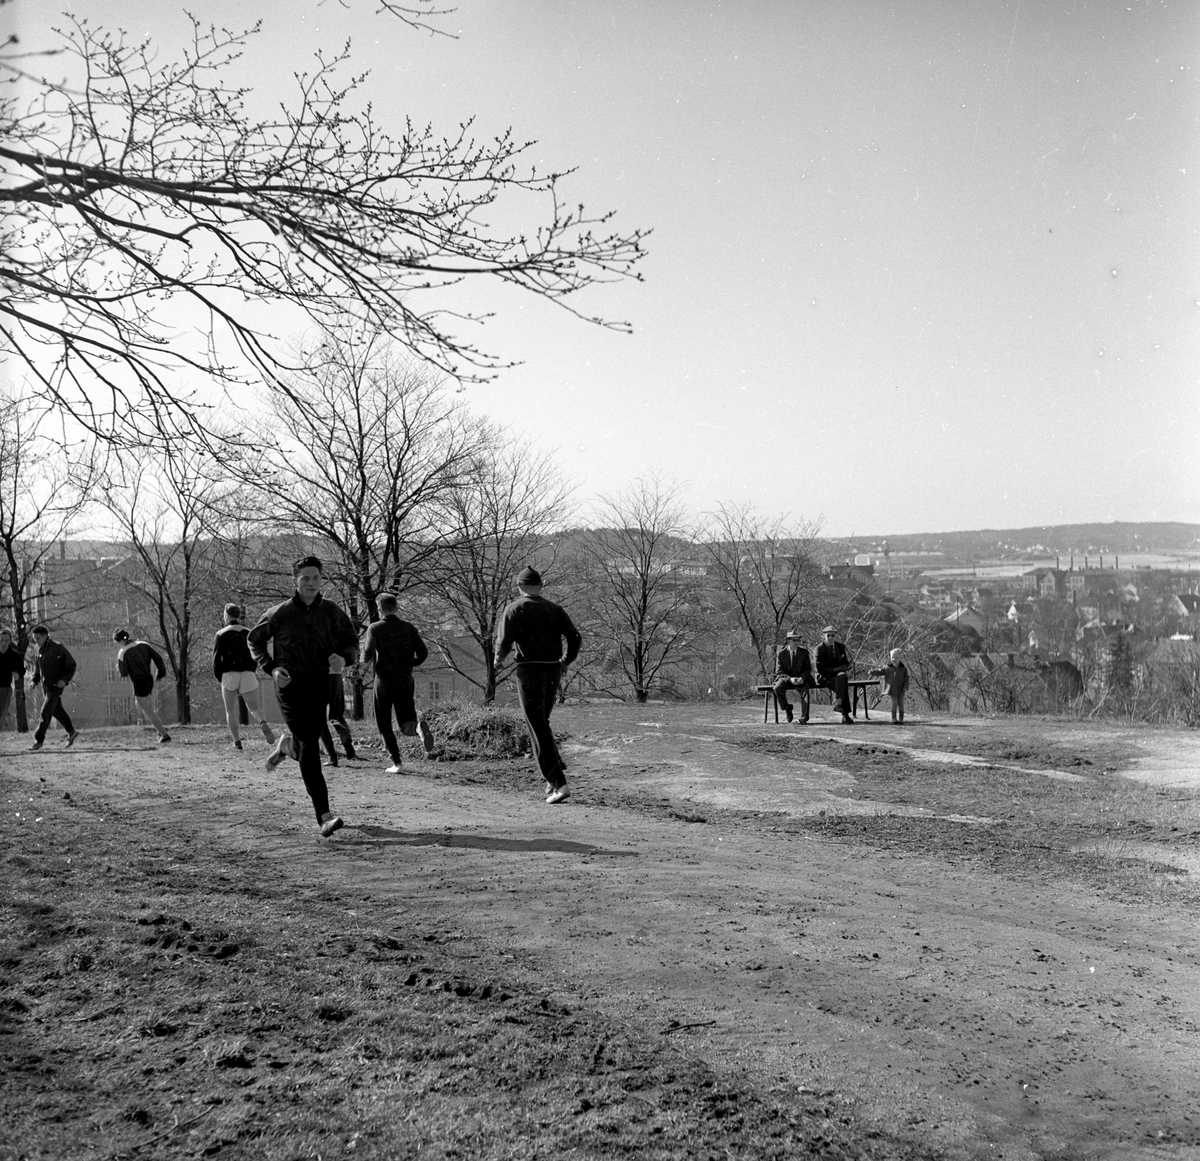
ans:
x=145 y=194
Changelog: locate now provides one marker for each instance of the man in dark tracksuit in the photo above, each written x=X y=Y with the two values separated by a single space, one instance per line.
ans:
x=396 y=649
x=294 y=643
x=12 y=664
x=833 y=670
x=793 y=670
x=140 y=662
x=54 y=669
x=537 y=628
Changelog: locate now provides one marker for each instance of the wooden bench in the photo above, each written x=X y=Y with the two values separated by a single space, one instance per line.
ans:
x=854 y=687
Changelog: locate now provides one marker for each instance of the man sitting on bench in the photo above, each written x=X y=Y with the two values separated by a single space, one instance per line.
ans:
x=793 y=670
x=833 y=671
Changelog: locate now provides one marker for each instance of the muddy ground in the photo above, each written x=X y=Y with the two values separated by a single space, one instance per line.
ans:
x=958 y=938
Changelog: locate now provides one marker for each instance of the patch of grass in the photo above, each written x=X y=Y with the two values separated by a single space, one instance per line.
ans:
x=482 y=733
x=487 y=732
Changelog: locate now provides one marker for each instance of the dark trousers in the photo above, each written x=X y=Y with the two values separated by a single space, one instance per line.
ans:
x=395 y=695
x=52 y=707
x=337 y=719
x=838 y=682
x=537 y=687
x=786 y=683
x=304 y=702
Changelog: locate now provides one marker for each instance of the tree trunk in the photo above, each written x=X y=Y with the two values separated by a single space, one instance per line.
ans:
x=22 y=711
x=489 y=684
x=183 y=689
x=358 y=705
x=641 y=694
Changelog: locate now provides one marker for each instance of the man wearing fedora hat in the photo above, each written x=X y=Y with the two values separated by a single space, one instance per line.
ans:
x=536 y=628
x=793 y=670
x=833 y=670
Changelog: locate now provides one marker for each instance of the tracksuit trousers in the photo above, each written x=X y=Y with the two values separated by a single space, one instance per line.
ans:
x=304 y=702
x=52 y=707
x=537 y=687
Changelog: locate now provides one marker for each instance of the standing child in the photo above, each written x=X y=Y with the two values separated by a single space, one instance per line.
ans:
x=895 y=683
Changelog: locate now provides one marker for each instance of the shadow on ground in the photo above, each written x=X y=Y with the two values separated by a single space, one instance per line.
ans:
x=382 y=836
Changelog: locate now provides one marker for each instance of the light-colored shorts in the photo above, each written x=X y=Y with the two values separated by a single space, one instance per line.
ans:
x=239 y=680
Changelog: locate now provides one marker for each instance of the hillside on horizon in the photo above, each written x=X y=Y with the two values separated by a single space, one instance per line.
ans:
x=1041 y=540
x=978 y=544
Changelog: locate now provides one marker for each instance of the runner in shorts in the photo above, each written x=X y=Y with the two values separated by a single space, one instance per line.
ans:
x=140 y=662
x=234 y=668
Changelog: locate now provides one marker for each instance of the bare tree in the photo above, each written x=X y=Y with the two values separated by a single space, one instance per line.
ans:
x=171 y=508
x=502 y=517
x=362 y=455
x=769 y=568
x=141 y=189
x=45 y=483
x=645 y=610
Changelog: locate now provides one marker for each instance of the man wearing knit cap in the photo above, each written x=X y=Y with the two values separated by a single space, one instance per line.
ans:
x=536 y=628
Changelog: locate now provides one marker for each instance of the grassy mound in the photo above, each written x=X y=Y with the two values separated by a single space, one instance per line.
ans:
x=475 y=731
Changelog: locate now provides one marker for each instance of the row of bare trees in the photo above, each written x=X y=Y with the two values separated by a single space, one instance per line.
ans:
x=374 y=463
x=150 y=215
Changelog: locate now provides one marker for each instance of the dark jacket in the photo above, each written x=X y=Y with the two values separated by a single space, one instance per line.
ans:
x=302 y=637
x=536 y=627
x=832 y=659
x=139 y=661
x=395 y=647
x=231 y=654
x=12 y=664
x=54 y=664
x=797 y=665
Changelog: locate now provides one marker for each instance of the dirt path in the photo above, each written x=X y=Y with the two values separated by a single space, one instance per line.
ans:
x=967 y=1006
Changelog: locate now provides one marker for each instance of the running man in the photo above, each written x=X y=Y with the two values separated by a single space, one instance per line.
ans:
x=537 y=627
x=53 y=671
x=233 y=667
x=139 y=661
x=295 y=643
x=396 y=649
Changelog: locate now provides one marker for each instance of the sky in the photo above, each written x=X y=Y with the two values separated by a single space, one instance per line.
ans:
x=915 y=266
